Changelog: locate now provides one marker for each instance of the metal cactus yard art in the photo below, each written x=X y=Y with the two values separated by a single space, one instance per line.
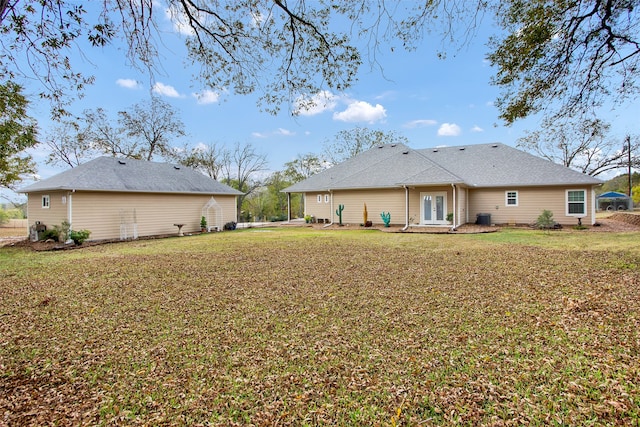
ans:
x=339 y=213
x=386 y=218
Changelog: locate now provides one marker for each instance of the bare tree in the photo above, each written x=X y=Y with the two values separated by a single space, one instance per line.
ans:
x=144 y=133
x=303 y=167
x=152 y=125
x=349 y=143
x=581 y=144
x=240 y=167
x=206 y=159
x=67 y=146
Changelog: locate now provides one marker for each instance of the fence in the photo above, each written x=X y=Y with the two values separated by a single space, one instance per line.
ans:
x=15 y=223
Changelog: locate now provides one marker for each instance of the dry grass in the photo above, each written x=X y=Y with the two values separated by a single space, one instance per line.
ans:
x=307 y=327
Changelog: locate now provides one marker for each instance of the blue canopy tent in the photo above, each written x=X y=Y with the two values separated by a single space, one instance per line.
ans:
x=614 y=201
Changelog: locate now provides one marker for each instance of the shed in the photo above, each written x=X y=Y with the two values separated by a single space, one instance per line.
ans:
x=614 y=201
x=126 y=198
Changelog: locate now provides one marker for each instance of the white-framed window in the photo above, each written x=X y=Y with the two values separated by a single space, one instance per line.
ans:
x=326 y=198
x=511 y=198
x=46 y=201
x=319 y=198
x=576 y=203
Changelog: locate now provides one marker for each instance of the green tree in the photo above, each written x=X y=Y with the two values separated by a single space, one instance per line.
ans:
x=554 y=55
x=302 y=167
x=17 y=133
x=349 y=143
x=635 y=194
x=564 y=57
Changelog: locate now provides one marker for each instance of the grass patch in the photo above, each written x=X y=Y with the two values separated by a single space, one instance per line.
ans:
x=307 y=327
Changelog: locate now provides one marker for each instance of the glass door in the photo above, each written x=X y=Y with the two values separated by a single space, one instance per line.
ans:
x=434 y=208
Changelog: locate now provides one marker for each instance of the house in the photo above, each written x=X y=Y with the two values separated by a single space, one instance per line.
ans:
x=125 y=198
x=449 y=186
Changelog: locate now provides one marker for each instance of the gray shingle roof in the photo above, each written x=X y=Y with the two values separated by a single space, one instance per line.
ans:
x=483 y=165
x=128 y=175
x=498 y=165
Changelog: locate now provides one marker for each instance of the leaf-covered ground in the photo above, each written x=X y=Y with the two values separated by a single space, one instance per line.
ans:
x=307 y=327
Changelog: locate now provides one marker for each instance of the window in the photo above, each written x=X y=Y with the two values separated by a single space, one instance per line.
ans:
x=326 y=198
x=45 y=202
x=511 y=198
x=576 y=202
x=319 y=198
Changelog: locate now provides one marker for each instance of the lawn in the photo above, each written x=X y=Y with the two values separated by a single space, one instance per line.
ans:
x=308 y=327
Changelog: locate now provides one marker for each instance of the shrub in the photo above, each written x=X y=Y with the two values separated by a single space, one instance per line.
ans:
x=52 y=234
x=545 y=221
x=63 y=230
x=231 y=225
x=79 y=236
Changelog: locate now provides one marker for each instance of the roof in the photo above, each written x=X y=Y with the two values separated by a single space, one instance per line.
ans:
x=482 y=165
x=129 y=175
x=612 y=195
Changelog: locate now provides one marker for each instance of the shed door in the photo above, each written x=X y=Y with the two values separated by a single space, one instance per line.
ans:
x=434 y=208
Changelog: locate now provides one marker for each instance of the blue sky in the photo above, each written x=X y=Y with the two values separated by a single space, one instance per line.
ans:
x=430 y=101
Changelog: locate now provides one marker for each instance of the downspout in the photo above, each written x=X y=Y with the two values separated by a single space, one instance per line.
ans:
x=70 y=213
x=288 y=207
x=593 y=204
x=331 y=207
x=406 y=208
x=455 y=216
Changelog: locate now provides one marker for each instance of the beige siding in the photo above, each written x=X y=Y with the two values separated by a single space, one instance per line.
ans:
x=318 y=209
x=531 y=202
x=54 y=215
x=461 y=206
x=378 y=201
x=103 y=213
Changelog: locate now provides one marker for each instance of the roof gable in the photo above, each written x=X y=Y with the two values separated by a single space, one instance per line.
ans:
x=129 y=175
x=383 y=166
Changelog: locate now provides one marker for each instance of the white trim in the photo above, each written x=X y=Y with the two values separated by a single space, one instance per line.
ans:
x=319 y=198
x=584 y=202
x=47 y=198
x=506 y=198
x=326 y=198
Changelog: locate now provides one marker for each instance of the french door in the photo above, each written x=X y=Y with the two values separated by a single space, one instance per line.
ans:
x=433 y=208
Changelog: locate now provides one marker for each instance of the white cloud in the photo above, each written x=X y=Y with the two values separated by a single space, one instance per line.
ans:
x=127 y=83
x=420 y=123
x=315 y=104
x=179 y=20
x=285 y=132
x=386 y=95
x=206 y=97
x=449 y=129
x=166 y=90
x=361 y=111
x=477 y=128
x=278 y=132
